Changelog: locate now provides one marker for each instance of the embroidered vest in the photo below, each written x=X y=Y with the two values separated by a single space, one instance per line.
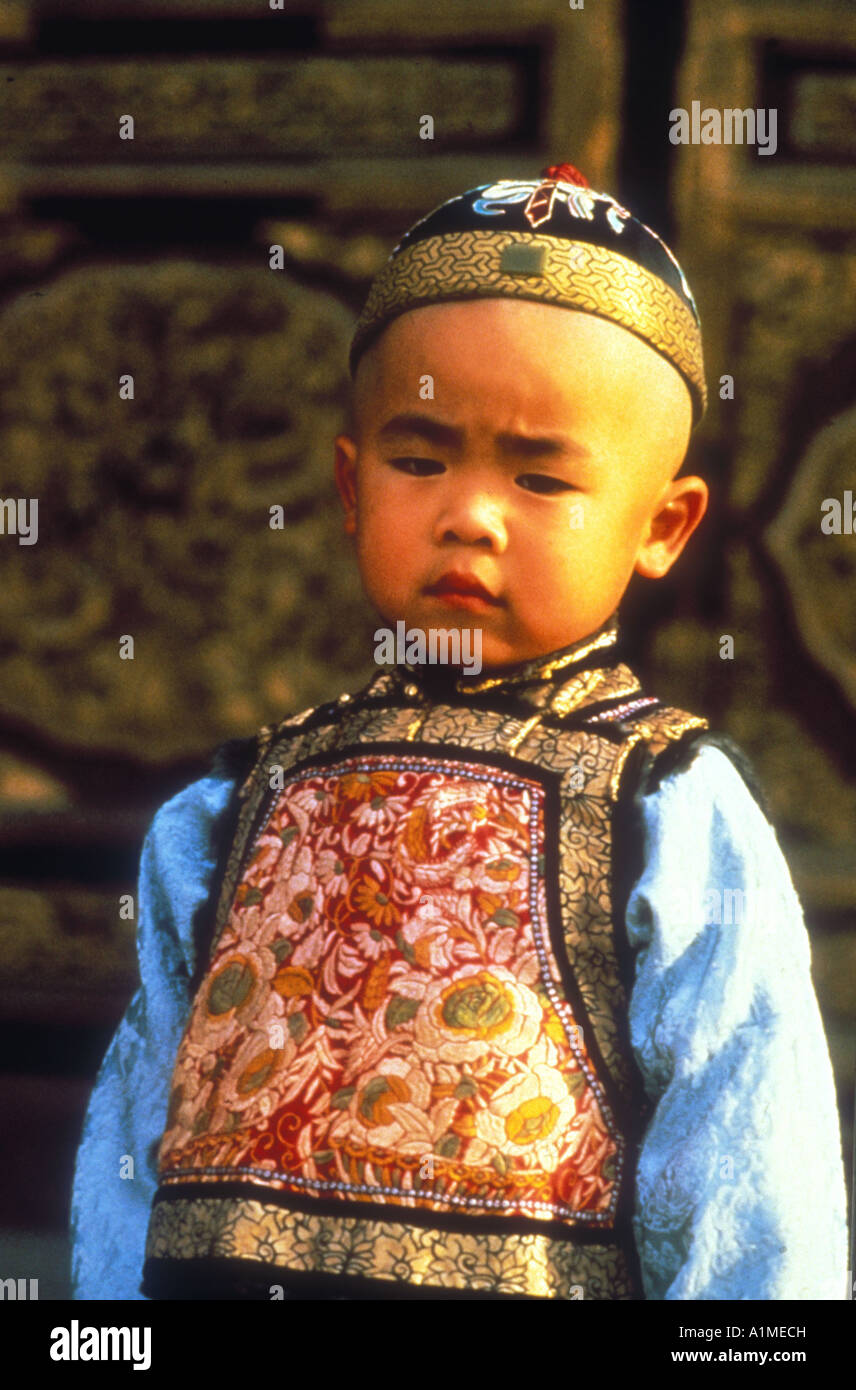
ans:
x=407 y=1063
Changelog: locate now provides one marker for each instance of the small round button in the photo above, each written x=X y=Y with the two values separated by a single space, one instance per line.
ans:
x=344 y=697
x=411 y=691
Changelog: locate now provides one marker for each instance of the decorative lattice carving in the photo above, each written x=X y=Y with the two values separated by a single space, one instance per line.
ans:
x=154 y=513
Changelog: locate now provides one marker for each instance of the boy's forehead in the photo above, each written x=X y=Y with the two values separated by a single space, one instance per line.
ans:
x=514 y=358
x=444 y=329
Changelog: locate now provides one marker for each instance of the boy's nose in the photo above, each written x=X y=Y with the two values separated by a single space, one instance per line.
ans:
x=473 y=519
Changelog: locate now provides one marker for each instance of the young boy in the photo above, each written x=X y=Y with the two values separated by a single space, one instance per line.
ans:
x=438 y=993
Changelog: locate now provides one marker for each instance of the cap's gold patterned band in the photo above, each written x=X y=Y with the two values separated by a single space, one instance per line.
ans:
x=517 y=265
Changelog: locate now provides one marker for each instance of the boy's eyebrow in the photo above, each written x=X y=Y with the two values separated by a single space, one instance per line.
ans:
x=521 y=445
x=424 y=426
x=541 y=446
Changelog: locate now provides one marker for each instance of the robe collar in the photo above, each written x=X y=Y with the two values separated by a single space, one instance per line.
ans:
x=536 y=680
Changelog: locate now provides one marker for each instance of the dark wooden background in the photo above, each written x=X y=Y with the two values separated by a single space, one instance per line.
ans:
x=300 y=127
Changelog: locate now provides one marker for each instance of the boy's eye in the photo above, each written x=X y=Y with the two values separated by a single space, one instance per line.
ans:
x=417 y=467
x=543 y=482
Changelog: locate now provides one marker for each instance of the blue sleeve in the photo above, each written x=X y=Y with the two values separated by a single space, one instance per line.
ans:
x=126 y=1113
x=740 y=1189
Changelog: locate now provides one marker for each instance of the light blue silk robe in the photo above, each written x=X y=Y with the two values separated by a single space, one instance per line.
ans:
x=740 y=1188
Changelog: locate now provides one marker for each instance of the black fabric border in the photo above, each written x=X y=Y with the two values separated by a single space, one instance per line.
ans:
x=444 y=1223
x=229 y=1278
x=627 y=863
x=623 y=1119
x=614 y=702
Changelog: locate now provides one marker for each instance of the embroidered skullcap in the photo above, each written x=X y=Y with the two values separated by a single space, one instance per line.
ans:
x=554 y=240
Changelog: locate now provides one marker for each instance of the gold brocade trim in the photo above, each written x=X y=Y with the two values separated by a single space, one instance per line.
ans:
x=657 y=739
x=265 y=737
x=287 y=1241
x=576 y=275
x=523 y=733
x=624 y=752
x=665 y=731
x=605 y=639
x=578 y=692
x=417 y=725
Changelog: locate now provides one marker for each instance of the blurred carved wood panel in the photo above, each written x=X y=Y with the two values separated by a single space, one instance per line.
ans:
x=771 y=242
x=155 y=512
x=510 y=84
x=262 y=108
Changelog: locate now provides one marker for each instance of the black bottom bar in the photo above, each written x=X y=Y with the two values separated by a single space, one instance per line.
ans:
x=243 y=1279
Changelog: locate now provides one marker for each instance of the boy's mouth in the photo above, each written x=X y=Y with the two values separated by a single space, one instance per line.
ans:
x=460 y=590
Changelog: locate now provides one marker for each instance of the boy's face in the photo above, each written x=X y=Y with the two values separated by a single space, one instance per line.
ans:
x=520 y=497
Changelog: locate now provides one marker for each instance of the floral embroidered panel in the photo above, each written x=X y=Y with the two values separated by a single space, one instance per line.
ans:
x=384 y=1019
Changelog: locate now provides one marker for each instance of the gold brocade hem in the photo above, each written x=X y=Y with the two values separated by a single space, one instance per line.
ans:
x=669 y=725
x=535 y=1266
x=573 y=275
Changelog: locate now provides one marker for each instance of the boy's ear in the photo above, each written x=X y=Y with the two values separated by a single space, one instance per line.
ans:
x=677 y=514
x=346 y=479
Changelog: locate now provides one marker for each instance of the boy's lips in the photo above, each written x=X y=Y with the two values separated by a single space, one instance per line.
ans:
x=462 y=590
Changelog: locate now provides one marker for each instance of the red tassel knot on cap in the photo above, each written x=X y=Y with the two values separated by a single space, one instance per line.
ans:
x=565 y=173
